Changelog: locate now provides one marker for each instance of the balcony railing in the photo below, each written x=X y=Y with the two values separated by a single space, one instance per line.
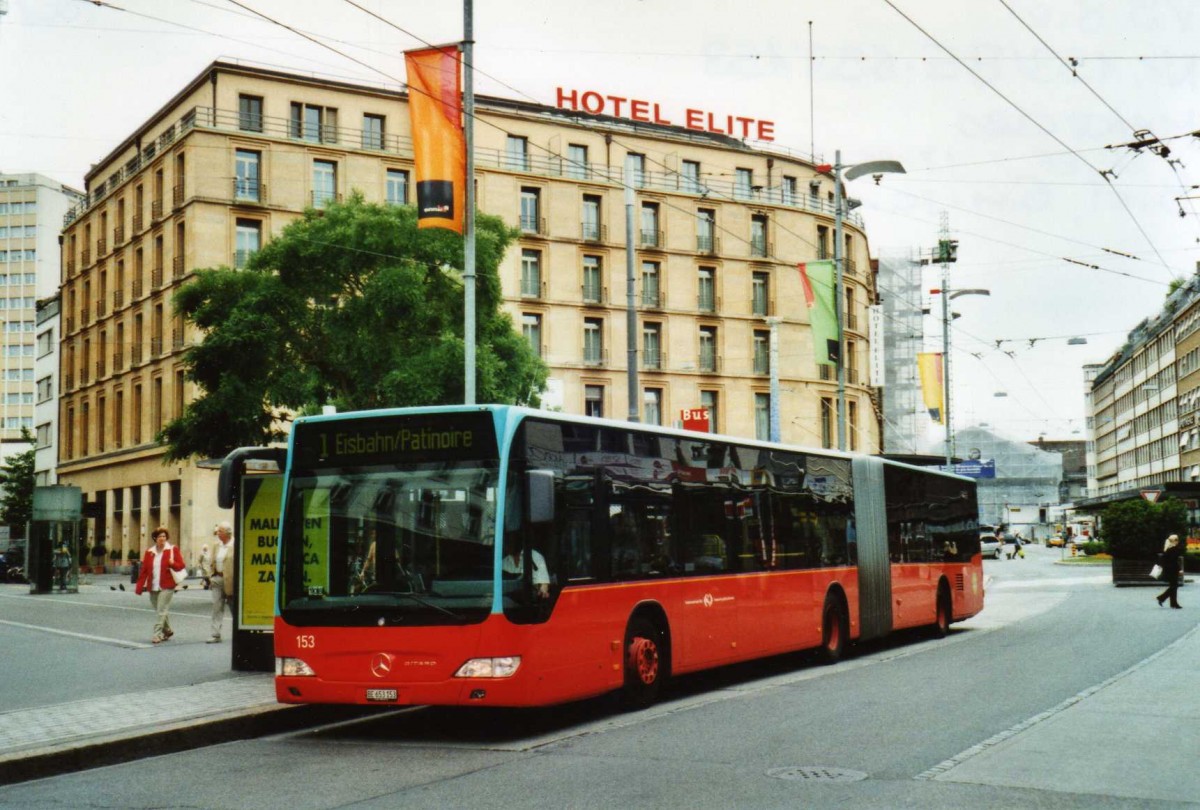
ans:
x=533 y=224
x=137 y=288
x=70 y=323
x=138 y=221
x=595 y=357
x=68 y=381
x=594 y=294
x=320 y=199
x=593 y=232
x=85 y=314
x=156 y=210
x=135 y=355
x=84 y=375
x=118 y=299
x=762 y=363
x=850 y=267
x=100 y=370
x=653 y=359
x=156 y=278
x=177 y=195
x=101 y=305
x=852 y=376
x=760 y=248
x=70 y=267
x=118 y=359
x=156 y=347
x=101 y=247
x=763 y=308
x=86 y=257
x=533 y=288
x=176 y=338
x=119 y=235
x=709 y=362
x=707 y=302
x=241 y=258
x=852 y=321
x=825 y=372
x=177 y=267
x=540 y=165
x=654 y=299
x=710 y=245
x=249 y=191
x=650 y=237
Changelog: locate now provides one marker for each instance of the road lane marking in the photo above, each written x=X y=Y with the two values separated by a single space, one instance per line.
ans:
x=115 y=642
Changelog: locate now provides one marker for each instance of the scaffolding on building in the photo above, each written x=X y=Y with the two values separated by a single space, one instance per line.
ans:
x=900 y=292
x=1027 y=480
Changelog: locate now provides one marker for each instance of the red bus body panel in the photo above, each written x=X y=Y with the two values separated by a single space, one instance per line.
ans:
x=577 y=653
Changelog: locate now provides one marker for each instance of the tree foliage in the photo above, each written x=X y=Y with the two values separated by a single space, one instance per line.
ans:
x=1136 y=529
x=17 y=478
x=350 y=306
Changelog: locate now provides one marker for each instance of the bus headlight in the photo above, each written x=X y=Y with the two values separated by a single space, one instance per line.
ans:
x=293 y=667
x=502 y=667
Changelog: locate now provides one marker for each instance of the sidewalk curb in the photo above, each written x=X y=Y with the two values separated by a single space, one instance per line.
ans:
x=184 y=735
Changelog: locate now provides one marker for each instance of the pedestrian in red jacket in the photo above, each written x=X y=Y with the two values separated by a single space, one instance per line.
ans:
x=162 y=567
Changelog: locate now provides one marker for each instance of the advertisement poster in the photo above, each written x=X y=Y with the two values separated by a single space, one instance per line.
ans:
x=259 y=548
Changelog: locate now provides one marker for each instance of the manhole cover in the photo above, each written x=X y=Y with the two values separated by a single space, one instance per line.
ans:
x=817 y=773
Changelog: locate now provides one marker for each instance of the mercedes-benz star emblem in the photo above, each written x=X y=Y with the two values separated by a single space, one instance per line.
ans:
x=381 y=665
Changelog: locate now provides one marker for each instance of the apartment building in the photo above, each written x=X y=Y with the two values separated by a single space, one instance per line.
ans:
x=242 y=151
x=32 y=207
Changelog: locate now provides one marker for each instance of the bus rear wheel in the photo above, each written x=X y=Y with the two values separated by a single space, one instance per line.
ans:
x=941 y=624
x=645 y=665
x=835 y=627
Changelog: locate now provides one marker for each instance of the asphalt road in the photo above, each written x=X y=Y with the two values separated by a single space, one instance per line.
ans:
x=869 y=732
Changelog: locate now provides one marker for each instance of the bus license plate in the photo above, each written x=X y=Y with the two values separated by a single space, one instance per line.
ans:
x=381 y=694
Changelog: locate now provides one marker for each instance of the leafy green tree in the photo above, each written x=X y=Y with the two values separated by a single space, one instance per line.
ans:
x=17 y=478
x=1136 y=529
x=350 y=306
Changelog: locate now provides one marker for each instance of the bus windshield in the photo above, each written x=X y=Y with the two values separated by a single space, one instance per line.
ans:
x=390 y=521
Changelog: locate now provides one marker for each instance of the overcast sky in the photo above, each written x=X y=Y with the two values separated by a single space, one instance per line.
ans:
x=1009 y=143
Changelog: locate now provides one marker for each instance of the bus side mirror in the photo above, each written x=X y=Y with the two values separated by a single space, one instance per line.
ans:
x=540 y=486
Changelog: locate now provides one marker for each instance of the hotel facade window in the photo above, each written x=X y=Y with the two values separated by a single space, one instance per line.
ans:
x=250 y=113
x=397 y=187
x=652 y=406
x=743 y=184
x=711 y=401
x=313 y=123
x=652 y=346
x=516 y=153
x=706 y=223
x=708 y=359
x=762 y=416
x=577 y=166
x=759 y=247
x=760 y=294
x=531 y=328
x=372 y=131
x=690 y=173
x=762 y=352
x=249 y=241
x=593 y=341
x=531 y=273
x=789 y=190
x=706 y=289
x=651 y=231
x=593 y=282
x=324 y=183
x=651 y=287
x=531 y=208
x=593 y=401
x=635 y=166
x=590 y=218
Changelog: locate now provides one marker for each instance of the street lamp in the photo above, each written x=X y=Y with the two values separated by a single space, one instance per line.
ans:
x=947 y=296
x=875 y=167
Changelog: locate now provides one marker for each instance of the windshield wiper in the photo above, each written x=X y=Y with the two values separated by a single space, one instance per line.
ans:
x=427 y=603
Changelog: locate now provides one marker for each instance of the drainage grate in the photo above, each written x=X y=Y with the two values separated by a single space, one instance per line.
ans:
x=817 y=773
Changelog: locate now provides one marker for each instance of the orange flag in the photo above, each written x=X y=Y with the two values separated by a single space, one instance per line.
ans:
x=435 y=108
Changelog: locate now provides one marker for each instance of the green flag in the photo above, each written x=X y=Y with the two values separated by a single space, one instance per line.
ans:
x=817 y=279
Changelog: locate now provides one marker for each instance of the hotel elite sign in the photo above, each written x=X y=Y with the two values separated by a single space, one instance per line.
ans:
x=651 y=112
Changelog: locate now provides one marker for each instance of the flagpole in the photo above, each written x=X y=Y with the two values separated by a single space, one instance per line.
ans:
x=468 y=51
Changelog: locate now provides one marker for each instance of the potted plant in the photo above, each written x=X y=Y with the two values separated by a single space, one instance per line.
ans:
x=1134 y=532
x=98 y=552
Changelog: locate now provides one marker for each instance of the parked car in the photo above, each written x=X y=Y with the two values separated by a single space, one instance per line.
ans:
x=990 y=546
x=12 y=564
x=1056 y=541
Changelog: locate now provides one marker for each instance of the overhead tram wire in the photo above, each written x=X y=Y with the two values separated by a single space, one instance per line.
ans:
x=1040 y=126
x=1073 y=68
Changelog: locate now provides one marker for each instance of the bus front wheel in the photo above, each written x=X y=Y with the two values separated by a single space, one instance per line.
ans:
x=941 y=624
x=645 y=666
x=835 y=627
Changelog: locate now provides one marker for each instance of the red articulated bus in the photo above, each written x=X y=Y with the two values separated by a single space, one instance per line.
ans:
x=502 y=556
